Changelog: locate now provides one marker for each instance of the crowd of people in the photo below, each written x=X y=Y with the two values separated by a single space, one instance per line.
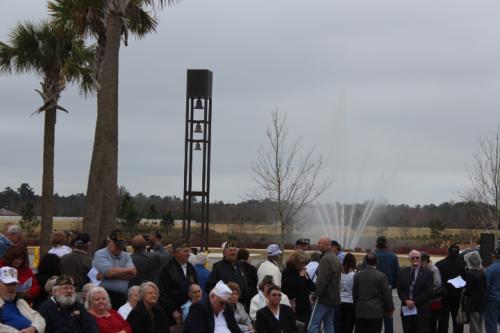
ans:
x=168 y=289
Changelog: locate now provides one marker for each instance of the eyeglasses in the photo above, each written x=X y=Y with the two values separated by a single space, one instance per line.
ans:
x=276 y=295
x=414 y=258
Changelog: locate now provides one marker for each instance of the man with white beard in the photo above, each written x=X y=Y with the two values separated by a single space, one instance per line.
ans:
x=16 y=314
x=62 y=313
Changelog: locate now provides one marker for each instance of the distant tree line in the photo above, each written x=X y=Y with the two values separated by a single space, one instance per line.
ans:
x=131 y=208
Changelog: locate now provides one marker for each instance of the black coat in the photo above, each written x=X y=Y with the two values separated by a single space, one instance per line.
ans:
x=422 y=291
x=475 y=291
x=297 y=288
x=449 y=268
x=251 y=274
x=141 y=321
x=201 y=319
x=148 y=266
x=227 y=272
x=174 y=285
x=73 y=319
x=267 y=322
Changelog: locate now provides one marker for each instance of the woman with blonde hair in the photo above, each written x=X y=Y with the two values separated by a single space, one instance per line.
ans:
x=147 y=316
x=242 y=318
x=107 y=319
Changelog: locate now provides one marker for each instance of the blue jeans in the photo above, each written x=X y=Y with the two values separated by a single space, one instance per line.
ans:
x=321 y=313
x=492 y=316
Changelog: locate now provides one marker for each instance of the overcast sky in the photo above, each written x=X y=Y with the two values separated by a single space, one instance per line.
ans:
x=395 y=95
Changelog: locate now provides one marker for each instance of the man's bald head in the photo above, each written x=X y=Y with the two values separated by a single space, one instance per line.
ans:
x=324 y=244
x=139 y=243
x=414 y=257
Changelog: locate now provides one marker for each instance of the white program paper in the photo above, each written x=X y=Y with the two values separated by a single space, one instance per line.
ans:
x=92 y=274
x=409 y=312
x=23 y=288
x=457 y=282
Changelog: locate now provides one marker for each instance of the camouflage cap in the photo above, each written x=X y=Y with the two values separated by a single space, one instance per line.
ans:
x=230 y=243
x=117 y=236
x=64 y=280
x=180 y=243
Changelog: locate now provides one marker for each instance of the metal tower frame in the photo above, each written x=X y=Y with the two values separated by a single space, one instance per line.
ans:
x=198 y=135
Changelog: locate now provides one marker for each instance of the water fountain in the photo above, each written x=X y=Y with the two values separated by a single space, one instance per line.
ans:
x=343 y=222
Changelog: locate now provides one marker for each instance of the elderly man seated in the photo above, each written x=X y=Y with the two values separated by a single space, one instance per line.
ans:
x=213 y=316
x=15 y=314
x=62 y=313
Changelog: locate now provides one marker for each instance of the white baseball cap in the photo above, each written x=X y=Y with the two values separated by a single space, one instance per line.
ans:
x=8 y=275
x=273 y=250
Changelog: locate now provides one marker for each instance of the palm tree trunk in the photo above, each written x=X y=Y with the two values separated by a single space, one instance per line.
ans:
x=48 y=179
x=101 y=200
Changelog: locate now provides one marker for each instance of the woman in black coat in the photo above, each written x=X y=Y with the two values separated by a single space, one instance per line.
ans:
x=474 y=301
x=297 y=285
x=275 y=317
x=49 y=266
x=147 y=316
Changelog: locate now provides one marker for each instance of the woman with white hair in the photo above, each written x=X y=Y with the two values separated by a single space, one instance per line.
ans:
x=107 y=319
x=475 y=291
x=147 y=316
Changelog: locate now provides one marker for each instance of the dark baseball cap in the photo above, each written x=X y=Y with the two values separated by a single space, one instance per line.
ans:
x=117 y=236
x=453 y=250
x=82 y=238
x=302 y=241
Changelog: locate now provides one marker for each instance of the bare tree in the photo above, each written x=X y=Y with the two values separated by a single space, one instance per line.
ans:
x=287 y=175
x=484 y=175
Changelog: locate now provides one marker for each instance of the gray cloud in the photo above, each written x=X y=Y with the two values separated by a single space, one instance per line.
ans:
x=393 y=94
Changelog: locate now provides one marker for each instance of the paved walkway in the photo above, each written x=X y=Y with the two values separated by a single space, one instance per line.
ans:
x=397 y=319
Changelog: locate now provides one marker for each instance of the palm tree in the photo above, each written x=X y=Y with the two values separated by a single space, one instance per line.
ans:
x=59 y=57
x=107 y=21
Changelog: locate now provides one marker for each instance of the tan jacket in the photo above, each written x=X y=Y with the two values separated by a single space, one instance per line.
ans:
x=36 y=319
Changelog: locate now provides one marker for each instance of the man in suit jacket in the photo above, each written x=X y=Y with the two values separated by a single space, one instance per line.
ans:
x=213 y=315
x=415 y=285
x=372 y=297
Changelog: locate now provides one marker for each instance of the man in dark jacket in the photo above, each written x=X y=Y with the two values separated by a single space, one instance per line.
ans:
x=415 y=287
x=174 y=281
x=450 y=267
x=372 y=297
x=63 y=314
x=327 y=288
x=205 y=317
x=387 y=263
x=229 y=269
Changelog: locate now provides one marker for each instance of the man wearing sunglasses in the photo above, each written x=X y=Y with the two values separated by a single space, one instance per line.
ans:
x=415 y=285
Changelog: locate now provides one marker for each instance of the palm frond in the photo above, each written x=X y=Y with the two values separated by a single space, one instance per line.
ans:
x=58 y=55
x=84 y=17
x=140 y=22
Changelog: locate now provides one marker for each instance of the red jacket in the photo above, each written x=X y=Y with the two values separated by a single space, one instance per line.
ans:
x=23 y=274
x=113 y=323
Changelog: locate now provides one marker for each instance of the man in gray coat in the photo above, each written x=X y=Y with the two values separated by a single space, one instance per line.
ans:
x=327 y=288
x=372 y=297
